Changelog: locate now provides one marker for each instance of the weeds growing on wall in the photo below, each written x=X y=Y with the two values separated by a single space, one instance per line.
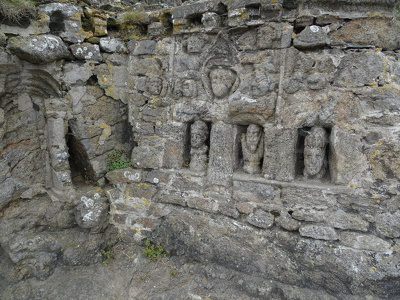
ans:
x=152 y=251
x=114 y=161
x=16 y=11
x=134 y=17
x=107 y=253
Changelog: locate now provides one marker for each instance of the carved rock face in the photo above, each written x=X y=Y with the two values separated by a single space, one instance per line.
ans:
x=154 y=86
x=222 y=81
x=253 y=136
x=313 y=160
x=199 y=134
x=314 y=152
x=189 y=88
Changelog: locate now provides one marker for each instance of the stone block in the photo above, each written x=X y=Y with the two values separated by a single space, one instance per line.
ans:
x=221 y=162
x=158 y=177
x=377 y=32
x=185 y=11
x=100 y=26
x=388 y=224
x=358 y=69
x=274 y=36
x=170 y=197
x=245 y=207
x=203 y=204
x=347 y=221
x=287 y=223
x=346 y=161
x=261 y=219
x=244 y=191
x=311 y=37
x=319 y=232
x=86 y=51
x=187 y=181
x=38 y=49
x=149 y=153
x=142 y=191
x=294 y=198
x=279 y=153
x=113 y=45
x=119 y=219
x=364 y=242
x=92 y=211
x=125 y=175
x=137 y=47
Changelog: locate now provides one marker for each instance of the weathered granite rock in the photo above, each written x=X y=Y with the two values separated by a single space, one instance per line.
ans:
x=319 y=232
x=311 y=37
x=388 y=225
x=364 y=32
x=261 y=219
x=86 y=51
x=40 y=49
x=364 y=242
x=113 y=45
x=92 y=211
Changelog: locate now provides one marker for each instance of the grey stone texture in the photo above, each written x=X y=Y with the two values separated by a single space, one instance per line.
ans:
x=38 y=49
x=255 y=191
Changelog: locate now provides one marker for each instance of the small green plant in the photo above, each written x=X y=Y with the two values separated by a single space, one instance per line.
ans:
x=152 y=251
x=186 y=162
x=173 y=272
x=107 y=253
x=16 y=11
x=100 y=86
x=114 y=161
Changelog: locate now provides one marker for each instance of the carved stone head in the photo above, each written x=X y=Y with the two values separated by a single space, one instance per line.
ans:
x=194 y=44
x=253 y=137
x=315 y=161
x=189 y=88
x=199 y=134
x=222 y=81
x=154 y=85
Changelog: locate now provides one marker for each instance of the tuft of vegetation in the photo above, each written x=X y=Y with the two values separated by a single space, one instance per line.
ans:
x=107 y=253
x=134 y=17
x=17 y=11
x=114 y=161
x=152 y=251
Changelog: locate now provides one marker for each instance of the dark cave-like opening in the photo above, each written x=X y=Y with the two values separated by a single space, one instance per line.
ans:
x=80 y=166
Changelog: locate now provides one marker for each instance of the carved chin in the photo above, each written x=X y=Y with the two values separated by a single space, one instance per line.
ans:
x=220 y=90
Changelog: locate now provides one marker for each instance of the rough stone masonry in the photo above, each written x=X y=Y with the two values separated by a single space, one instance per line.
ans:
x=263 y=136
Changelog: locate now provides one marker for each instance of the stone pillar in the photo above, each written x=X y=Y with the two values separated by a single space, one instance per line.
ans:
x=279 y=153
x=223 y=141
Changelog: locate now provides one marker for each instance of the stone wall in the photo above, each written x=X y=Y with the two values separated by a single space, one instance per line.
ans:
x=262 y=135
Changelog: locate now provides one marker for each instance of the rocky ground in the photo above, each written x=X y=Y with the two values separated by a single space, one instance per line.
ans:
x=130 y=275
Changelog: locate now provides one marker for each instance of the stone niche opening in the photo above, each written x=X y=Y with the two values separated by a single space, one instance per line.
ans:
x=195 y=19
x=197 y=146
x=254 y=11
x=312 y=153
x=57 y=24
x=81 y=169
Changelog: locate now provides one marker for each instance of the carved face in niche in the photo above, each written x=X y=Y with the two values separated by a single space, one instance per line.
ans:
x=314 y=152
x=222 y=81
x=154 y=85
x=199 y=134
x=189 y=88
x=253 y=137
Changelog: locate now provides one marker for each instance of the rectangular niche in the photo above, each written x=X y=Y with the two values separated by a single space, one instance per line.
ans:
x=312 y=153
x=197 y=146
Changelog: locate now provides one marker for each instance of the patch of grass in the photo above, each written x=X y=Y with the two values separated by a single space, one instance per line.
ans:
x=153 y=252
x=17 y=11
x=107 y=253
x=114 y=161
x=173 y=272
x=134 y=17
